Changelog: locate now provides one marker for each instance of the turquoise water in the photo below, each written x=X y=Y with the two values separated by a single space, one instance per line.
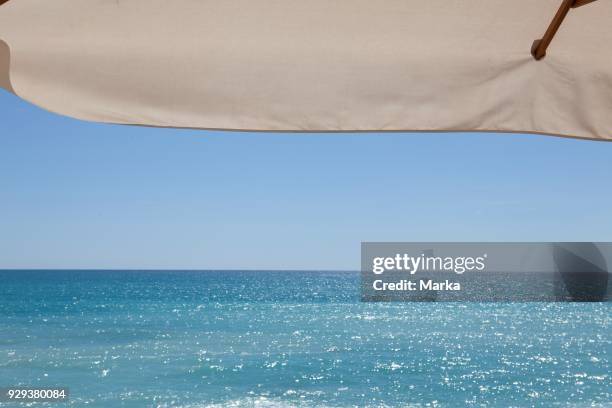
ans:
x=282 y=339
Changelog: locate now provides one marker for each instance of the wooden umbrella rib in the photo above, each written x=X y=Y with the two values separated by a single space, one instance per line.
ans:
x=539 y=47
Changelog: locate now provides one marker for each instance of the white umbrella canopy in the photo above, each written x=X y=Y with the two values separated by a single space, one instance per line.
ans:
x=314 y=65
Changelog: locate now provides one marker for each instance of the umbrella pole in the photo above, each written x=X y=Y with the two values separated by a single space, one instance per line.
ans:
x=539 y=47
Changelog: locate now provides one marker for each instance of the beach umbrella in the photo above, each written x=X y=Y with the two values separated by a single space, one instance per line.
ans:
x=317 y=65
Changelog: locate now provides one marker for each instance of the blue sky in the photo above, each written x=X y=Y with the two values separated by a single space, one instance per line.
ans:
x=83 y=195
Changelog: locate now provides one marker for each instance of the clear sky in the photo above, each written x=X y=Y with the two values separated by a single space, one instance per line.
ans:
x=83 y=195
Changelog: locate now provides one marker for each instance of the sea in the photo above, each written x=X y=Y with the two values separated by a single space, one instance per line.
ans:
x=290 y=339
